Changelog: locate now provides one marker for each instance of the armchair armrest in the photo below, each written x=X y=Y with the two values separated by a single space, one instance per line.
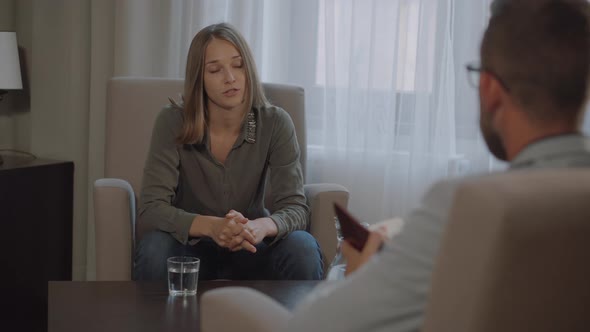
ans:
x=114 y=217
x=320 y=198
x=231 y=309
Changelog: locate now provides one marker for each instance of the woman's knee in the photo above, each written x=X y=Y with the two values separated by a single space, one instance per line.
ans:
x=301 y=241
x=151 y=254
x=301 y=256
x=157 y=243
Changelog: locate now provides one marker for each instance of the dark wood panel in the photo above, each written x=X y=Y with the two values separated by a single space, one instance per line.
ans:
x=145 y=306
x=36 y=212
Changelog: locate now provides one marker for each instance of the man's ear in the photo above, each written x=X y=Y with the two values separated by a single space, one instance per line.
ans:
x=490 y=91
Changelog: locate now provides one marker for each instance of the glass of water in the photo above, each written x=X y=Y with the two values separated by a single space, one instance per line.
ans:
x=183 y=273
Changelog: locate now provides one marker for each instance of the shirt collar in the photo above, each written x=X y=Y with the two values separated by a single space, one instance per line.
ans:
x=250 y=127
x=248 y=132
x=550 y=147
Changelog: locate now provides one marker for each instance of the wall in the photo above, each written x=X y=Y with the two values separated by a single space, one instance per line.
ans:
x=60 y=112
x=7 y=15
x=102 y=66
x=21 y=117
x=60 y=99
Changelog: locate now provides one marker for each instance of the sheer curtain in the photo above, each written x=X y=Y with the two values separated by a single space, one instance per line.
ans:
x=387 y=126
x=389 y=110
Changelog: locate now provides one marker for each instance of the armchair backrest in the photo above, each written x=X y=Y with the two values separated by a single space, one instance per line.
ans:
x=515 y=255
x=134 y=103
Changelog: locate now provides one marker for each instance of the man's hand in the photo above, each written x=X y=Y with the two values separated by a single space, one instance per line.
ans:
x=356 y=259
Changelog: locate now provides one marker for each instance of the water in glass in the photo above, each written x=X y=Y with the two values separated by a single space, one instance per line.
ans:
x=183 y=274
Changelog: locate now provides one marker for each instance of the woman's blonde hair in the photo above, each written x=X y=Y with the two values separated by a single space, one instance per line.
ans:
x=194 y=100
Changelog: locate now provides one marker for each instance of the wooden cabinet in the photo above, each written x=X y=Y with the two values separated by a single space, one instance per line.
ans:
x=36 y=213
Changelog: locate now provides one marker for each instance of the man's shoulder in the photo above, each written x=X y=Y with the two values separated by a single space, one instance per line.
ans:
x=571 y=150
x=441 y=195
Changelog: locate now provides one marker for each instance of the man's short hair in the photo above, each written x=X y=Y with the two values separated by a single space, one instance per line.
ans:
x=540 y=49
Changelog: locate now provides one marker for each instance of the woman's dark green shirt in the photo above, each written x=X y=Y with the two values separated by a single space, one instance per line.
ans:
x=182 y=181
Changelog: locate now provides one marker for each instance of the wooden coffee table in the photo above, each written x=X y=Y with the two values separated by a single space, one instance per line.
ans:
x=144 y=306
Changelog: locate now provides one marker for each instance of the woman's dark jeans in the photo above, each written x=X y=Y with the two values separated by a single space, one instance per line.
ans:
x=296 y=257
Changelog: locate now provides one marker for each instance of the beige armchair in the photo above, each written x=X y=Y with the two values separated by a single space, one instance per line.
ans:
x=132 y=106
x=514 y=257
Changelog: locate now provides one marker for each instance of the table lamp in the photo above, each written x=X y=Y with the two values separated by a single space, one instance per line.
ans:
x=10 y=78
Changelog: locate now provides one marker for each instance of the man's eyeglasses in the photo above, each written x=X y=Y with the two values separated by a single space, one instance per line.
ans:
x=473 y=72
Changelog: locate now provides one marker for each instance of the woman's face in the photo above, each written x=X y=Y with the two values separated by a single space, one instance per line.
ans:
x=224 y=76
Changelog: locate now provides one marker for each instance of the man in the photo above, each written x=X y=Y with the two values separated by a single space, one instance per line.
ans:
x=533 y=87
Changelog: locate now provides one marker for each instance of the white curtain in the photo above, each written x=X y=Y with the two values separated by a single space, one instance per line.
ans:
x=389 y=109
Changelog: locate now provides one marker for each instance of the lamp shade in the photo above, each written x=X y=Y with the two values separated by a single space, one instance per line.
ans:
x=10 y=78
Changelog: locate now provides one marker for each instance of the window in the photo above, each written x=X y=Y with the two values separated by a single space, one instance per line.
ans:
x=383 y=46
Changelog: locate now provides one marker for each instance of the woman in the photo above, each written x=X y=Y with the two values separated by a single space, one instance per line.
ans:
x=203 y=183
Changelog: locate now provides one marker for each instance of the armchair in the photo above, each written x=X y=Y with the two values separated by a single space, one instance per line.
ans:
x=514 y=257
x=132 y=106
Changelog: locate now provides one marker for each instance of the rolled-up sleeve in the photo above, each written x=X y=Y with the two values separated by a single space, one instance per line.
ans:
x=160 y=180
x=286 y=178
